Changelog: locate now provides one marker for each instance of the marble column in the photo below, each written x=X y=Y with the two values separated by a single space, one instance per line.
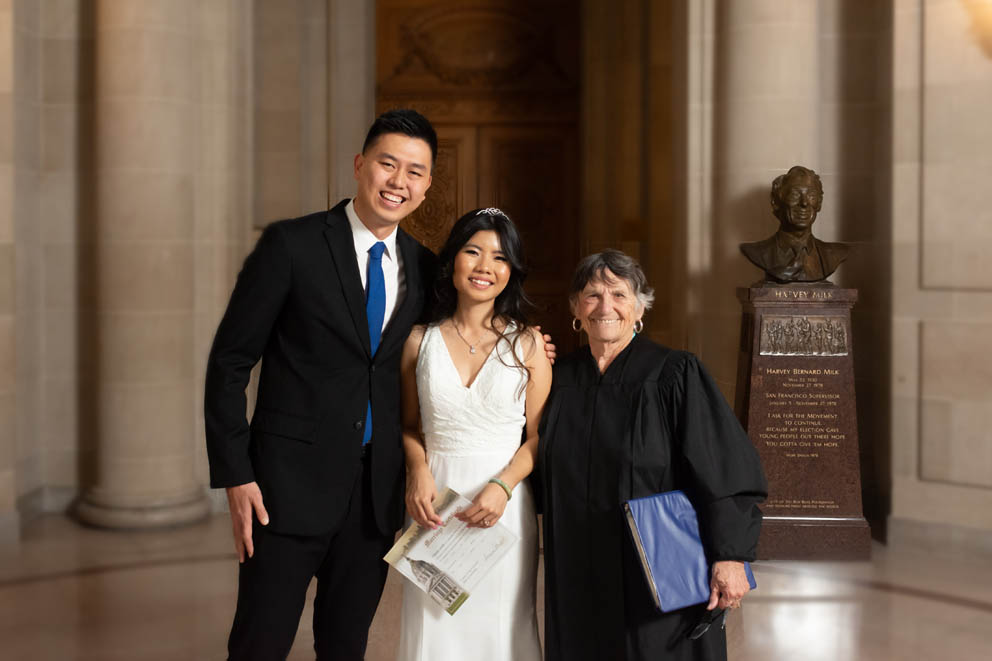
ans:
x=765 y=118
x=9 y=520
x=138 y=258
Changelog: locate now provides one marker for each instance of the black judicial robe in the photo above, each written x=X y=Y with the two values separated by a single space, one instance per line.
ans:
x=653 y=422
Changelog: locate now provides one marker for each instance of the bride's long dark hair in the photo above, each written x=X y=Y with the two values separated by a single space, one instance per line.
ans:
x=512 y=303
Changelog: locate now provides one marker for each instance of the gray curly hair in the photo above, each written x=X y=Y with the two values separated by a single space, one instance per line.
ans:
x=620 y=264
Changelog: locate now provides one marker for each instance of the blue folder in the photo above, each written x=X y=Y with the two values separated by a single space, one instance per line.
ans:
x=665 y=532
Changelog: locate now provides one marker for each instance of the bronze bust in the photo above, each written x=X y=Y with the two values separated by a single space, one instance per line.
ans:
x=793 y=254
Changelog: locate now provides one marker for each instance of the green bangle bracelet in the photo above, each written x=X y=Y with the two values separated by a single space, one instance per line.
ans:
x=506 y=488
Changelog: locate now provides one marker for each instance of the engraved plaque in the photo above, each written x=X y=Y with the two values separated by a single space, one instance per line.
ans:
x=795 y=398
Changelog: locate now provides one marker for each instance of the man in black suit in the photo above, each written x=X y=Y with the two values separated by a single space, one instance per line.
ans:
x=793 y=254
x=313 y=488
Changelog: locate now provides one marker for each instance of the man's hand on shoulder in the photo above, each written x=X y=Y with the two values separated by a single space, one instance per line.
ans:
x=242 y=500
x=549 y=348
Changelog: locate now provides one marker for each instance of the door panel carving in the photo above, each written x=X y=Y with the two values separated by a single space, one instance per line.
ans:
x=453 y=187
x=499 y=81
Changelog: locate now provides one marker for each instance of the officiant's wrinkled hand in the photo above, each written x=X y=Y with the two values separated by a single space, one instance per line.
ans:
x=728 y=584
x=242 y=500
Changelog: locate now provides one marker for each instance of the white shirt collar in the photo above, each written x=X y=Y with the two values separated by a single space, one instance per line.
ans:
x=364 y=238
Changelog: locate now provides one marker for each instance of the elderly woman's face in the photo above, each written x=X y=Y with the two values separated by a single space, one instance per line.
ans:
x=608 y=308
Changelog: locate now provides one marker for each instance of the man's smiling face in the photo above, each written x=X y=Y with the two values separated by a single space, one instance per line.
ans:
x=393 y=176
x=799 y=201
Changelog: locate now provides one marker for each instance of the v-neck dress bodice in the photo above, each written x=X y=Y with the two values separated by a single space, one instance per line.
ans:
x=471 y=434
x=484 y=417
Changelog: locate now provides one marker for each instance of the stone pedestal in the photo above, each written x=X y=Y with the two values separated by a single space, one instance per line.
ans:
x=795 y=398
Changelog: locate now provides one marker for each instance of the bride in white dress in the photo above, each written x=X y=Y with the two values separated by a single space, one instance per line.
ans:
x=474 y=383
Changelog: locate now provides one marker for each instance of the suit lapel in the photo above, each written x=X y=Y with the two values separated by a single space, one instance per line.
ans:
x=342 y=246
x=408 y=309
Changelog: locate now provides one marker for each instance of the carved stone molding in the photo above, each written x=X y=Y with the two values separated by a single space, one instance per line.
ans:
x=478 y=46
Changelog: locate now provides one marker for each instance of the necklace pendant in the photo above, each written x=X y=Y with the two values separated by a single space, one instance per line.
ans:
x=471 y=349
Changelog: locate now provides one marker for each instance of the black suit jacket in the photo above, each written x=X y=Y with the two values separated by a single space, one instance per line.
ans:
x=299 y=305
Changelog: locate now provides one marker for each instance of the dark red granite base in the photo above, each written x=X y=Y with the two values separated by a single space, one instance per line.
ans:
x=814 y=540
x=796 y=399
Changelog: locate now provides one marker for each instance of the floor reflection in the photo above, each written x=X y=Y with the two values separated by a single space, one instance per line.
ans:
x=68 y=592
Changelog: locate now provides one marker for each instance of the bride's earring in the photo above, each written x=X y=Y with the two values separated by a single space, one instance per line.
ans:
x=576 y=325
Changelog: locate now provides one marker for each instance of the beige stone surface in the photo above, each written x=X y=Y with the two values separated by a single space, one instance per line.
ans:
x=7 y=122
x=905 y=427
x=6 y=48
x=942 y=503
x=957 y=138
x=941 y=281
x=140 y=133
x=58 y=208
x=956 y=363
x=61 y=339
x=139 y=482
x=59 y=131
x=60 y=275
x=60 y=424
x=60 y=18
x=61 y=81
x=278 y=188
x=7 y=348
x=6 y=279
x=145 y=421
x=173 y=15
x=8 y=440
x=145 y=276
x=145 y=347
x=144 y=62
x=6 y=203
x=61 y=466
x=954 y=442
x=145 y=205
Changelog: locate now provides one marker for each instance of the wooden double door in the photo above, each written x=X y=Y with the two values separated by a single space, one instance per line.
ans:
x=499 y=81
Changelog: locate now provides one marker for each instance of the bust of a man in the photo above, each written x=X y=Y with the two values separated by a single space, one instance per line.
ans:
x=793 y=254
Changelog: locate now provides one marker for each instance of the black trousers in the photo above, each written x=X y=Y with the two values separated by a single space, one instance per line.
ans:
x=272 y=586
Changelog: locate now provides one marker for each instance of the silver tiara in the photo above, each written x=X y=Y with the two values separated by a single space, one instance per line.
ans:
x=491 y=211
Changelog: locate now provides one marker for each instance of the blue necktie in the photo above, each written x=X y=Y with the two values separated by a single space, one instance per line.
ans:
x=375 y=311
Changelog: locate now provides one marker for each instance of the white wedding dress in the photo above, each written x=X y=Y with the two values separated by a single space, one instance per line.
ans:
x=471 y=434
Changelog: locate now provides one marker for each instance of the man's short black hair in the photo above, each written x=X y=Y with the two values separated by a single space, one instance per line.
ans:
x=407 y=122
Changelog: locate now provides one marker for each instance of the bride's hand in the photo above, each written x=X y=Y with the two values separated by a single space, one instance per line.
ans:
x=486 y=508
x=420 y=494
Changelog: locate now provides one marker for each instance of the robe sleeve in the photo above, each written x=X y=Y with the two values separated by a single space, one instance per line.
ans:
x=718 y=466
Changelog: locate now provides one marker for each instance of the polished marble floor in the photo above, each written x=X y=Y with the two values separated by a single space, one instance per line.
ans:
x=74 y=593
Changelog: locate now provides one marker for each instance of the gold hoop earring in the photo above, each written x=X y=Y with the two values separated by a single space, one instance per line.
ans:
x=638 y=326
x=576 y=325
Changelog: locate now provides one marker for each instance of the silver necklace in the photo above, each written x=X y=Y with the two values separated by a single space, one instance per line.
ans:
x=471 y=347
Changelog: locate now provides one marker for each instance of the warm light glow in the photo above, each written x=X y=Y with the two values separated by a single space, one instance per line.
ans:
x=981 y=22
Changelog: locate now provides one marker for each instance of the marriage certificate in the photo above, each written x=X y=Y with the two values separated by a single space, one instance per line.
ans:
x=448 y=563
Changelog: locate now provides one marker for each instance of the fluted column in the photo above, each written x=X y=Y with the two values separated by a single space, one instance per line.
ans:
x=765 y=118
x=139 y=258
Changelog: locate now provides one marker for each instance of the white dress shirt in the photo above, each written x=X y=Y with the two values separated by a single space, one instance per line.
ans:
x=392 y=261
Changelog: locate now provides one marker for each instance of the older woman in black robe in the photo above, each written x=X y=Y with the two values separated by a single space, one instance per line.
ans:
x=628 y=418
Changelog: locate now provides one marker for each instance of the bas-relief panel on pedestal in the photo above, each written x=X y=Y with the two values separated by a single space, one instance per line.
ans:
x=803 y=336
x=956 y=217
